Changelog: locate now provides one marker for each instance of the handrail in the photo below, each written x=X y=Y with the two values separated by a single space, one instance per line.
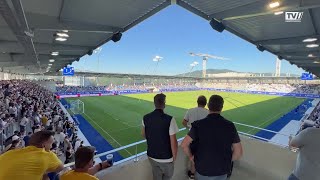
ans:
x=119 y=149
x=261 y=129
x=182 y=129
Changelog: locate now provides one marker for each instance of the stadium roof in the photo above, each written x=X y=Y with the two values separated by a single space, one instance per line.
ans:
x=29 y=28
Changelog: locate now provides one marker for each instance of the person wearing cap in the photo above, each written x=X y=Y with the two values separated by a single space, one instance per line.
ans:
x=160 y=130
x=84 y=165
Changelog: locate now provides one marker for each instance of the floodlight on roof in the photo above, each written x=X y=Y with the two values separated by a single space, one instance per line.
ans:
x=216 y=25
x=311 y=55
x=260 y=48
x=60 y=39
x=55 y=53
x=90 y=52
x=274 y=4
x=316 y=62
x=60 y=34
x=310 y=40
x=65 y=31
x=278 y=13
x=51 y=60
x=49 y=65
x=312 y=45
x=116 y=37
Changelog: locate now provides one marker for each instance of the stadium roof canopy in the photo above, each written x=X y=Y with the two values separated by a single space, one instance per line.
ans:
x=28 y=29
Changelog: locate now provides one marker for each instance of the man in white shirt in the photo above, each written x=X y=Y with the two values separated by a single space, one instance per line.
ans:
x=77 y=144
x=308 y=159
x=13 y=110
x=191 y=116
x=23 y=123
x=196 y=113
x=59 y=137
x=160 y=130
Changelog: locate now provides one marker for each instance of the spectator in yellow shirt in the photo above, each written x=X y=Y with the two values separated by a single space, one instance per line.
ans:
x=84 y=169
x=44 y=120
x=32 y=162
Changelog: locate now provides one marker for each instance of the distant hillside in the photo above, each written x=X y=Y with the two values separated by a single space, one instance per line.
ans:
x=198 y=73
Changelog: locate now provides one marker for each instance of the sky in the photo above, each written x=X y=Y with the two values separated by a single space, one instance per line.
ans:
x=172 y=34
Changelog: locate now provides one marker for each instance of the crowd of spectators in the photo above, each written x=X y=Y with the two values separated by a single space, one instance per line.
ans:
x=27 y=108
x=82 y=89
x=268 y=87
x=284 y=88
x=37 y=136
x=313 y=119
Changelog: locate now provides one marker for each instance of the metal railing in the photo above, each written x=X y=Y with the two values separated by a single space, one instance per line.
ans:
x=138 y=154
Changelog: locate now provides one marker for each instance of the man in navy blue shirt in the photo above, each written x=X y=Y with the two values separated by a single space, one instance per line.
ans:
x=26 y=139
x=218 y=143
x=160 y=131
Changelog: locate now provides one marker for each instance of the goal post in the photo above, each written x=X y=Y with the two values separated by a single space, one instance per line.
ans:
x=77 y=106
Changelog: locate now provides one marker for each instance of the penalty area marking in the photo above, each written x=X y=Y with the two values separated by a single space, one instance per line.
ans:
x=118 y=130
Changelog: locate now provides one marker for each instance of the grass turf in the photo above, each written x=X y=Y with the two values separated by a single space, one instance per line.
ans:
x=118 y=118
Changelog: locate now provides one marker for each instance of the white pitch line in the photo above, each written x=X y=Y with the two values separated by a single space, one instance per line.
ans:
x=106 y=133
x=117 y=119
x=116 y=131
x=264 y=122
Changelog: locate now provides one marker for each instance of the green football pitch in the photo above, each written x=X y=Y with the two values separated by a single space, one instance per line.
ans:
x=118 y=118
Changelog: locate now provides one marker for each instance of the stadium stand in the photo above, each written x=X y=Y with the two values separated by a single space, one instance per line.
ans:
x=283 y=88
x=81 y=89
x=313 y=119
x=27 y=108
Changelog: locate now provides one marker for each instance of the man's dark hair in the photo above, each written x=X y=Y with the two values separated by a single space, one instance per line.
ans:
x=159 y=100
x=38 y=138
x=202 y=101
x=83 y=156
x=215 y=103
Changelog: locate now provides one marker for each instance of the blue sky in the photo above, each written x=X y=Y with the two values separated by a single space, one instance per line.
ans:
x=173 y=33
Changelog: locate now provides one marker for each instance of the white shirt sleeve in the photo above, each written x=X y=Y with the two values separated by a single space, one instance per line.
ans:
x=187 y=116
x=173 y=129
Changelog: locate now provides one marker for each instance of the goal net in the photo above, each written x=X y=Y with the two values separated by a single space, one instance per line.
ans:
x=77 y=106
